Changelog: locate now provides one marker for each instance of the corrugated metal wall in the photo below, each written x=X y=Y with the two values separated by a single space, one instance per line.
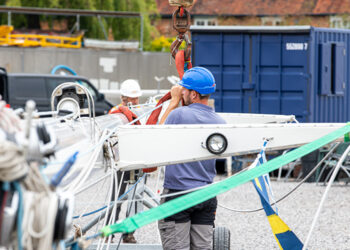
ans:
x=105 y=68
x=330 y=72
x=299 y=72
x=256 y=73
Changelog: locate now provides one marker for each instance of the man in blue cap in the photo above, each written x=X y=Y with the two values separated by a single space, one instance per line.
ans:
x=191 y=228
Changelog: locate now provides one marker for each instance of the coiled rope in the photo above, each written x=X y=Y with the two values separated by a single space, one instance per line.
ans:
x=12 y=162
x=9 y=121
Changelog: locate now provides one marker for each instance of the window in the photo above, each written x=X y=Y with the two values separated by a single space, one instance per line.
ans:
x=336 y=22
x=271 y=21
x=339 y=22
x=211 y=23
x=2 y=86
x=200 y=23
x=205 y=21
x=27 y=88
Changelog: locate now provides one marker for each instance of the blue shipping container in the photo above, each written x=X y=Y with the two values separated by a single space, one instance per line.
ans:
x=299 y=70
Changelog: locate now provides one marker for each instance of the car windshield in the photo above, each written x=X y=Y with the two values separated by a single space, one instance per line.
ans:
x=92 y=91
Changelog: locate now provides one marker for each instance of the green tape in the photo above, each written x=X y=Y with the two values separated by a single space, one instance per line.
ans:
x=179 y=204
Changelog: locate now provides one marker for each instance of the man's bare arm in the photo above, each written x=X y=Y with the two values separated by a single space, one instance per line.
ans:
x=176 y=95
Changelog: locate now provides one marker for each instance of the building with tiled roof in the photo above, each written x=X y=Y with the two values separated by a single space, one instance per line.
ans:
x=318 y=13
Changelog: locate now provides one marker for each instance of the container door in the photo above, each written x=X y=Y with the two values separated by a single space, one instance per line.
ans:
x=256 y=73
x=239 y=73
x=223 y=54
x=249 y=84
x=282 y=78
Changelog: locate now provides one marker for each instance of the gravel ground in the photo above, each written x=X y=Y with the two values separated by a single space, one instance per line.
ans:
x=252 y=230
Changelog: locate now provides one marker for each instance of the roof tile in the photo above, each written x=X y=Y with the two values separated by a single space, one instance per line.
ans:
x=260 y=7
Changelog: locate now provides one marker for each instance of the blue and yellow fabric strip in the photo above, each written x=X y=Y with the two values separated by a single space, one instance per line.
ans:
x=284 y=236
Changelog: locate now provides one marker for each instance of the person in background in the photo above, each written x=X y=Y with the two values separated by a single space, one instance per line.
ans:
x=193 y=227
x=130 y=91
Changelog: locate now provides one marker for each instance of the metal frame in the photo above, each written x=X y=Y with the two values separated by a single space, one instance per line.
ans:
x=156 y=144
x=77 y=13
x=246 y=118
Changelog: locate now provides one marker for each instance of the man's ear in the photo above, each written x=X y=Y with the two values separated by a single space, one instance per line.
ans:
x=194 y=95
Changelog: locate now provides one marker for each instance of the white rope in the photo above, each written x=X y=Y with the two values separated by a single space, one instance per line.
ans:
x=9 y=121
x=111 y=132
x=86 y=172
x=92 y=183
x=79 y=181
x=176 y=193
x=106 y=137
x=80 y=122
x=324 y=197
x=112 y=218
x=92 y=200
x=38 y=224
x=35 y=181
x=295 y=120
x=101 y=240
x=116 y=187
x=12 y=161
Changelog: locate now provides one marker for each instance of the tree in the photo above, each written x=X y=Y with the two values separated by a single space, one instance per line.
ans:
x=130 y=28
x=122 y=28
x=32 y=21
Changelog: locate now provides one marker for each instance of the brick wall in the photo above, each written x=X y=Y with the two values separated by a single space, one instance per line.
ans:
x=164 y=26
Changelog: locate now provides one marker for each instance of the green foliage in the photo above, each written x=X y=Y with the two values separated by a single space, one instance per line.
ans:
x=163 y=44
x=120 y=28
x=24 y=21
x=129 y=28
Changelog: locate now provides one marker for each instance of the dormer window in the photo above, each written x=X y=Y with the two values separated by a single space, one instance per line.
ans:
x=339 y=22
x=205 y=21
x=271 y=21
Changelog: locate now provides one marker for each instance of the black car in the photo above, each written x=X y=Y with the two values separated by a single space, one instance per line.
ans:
x=16 y=89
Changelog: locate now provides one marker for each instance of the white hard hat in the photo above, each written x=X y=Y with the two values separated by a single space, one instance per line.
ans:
x=130 y=88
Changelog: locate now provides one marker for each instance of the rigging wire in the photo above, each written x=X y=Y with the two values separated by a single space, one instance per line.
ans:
x=238 y=210
x=290 y=192
x=128 y=212
x=116 y=128
x=119 y=198
x=107 y=136
x=100 y=242
x=325 y=194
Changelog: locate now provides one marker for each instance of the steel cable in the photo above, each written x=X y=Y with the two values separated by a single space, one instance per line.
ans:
x=290 y=192
x=325 y=194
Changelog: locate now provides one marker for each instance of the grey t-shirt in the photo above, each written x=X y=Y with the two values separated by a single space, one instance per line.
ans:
x=190 y=175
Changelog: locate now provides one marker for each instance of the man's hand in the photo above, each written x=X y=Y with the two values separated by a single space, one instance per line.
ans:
x=176 y=92
x=176 y=96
